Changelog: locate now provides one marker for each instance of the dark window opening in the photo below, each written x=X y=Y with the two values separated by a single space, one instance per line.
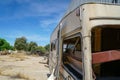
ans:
x=106 y=52
x=72 y=58
x=115 y=1
x=53 y=45
x=106 y=38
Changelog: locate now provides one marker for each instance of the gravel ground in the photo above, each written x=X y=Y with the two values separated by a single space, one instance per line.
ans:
x=29 y=68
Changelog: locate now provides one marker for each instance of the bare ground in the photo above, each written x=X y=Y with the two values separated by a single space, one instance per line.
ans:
x=17 y=67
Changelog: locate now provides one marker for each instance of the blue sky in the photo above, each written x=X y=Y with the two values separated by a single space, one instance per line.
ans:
x=33 y=19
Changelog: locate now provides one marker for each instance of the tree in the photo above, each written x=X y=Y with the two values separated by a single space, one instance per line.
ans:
x=42 y=49
x=32 y=46
x=47 y=47
x=11 y=48
x=20 y=43
x=4 y=45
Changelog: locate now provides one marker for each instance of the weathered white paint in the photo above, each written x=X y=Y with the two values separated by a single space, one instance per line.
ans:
x=91 y=15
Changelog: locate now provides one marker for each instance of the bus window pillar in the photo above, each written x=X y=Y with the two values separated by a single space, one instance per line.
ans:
x=86 y=49
x=87 y=58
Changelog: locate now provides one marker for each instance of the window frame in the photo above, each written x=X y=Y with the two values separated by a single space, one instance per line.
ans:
x=81 y=45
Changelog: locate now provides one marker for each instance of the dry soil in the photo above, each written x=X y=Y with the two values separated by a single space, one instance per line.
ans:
x=23 y=68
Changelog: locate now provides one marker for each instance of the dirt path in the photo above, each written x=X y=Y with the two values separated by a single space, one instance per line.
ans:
x=27 y=68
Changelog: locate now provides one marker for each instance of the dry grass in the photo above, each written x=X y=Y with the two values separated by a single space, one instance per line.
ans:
x=7 y=70
x=18 y=76
x=19 y=56
x=35 y=55
x=15 y=75
x=2 y=59
x=22 y=76
x=4 y=70
x=1 y=70
x=14 y=68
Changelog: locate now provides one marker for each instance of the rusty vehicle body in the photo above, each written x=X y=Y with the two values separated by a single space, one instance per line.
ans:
x=85 y=45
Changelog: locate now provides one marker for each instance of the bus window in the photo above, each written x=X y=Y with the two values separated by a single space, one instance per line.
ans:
x=53 y=46
x=106 y=52
x=114 y=1
x=72 y=58
x=64 y=47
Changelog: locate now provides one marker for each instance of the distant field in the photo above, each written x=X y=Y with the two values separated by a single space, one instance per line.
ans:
x=23 y=67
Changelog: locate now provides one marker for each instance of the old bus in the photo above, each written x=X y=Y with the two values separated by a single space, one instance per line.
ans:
x=85 y=45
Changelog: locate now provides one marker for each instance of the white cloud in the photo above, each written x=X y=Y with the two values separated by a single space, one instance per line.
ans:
x=30 y=37
x=36 y=8
x=51 y=10
x=37 y=38
x=47 y=23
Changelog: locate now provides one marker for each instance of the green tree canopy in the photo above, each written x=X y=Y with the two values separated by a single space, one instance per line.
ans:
x=42 y=49
x=32 y=46
x=4 y=45
x=47 y=47
x=20 y=43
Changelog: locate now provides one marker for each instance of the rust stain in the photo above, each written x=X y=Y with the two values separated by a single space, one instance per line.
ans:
x=106 y=56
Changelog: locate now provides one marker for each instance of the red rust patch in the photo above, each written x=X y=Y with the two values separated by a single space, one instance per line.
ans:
x=106 y=56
